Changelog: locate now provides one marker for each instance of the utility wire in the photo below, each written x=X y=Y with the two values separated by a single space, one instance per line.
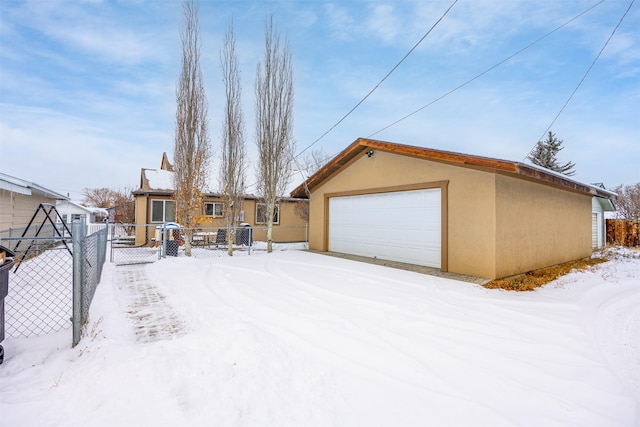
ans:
x=487 y=70
x=381 y=81
x=582 y=79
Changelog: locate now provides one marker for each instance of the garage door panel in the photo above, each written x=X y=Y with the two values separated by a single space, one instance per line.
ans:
x=400 y=226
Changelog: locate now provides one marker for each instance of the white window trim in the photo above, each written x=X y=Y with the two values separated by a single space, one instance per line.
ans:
x=214 y=209
x=277 y=213
x=164 y=211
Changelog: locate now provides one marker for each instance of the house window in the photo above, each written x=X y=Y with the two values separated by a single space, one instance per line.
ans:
x=163 y=211
x=261 y=214
x=213 y=209
x=76 y=217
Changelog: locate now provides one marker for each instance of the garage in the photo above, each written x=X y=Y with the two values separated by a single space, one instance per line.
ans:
x=461 y=213
x=403 y=226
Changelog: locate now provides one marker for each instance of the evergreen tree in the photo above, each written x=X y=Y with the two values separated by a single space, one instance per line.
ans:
x=545 y=155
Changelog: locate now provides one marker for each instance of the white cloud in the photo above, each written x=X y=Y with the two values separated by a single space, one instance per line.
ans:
x=69 y=153
x=384 y=22
x=97 y=30
x=339 y=20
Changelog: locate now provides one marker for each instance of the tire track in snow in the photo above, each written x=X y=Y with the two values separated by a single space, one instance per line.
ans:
x=152 y=317
x=527 y=373
x=618 y=331
x=343 y=342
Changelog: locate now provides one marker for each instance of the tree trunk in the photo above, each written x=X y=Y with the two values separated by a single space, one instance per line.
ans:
x=231 y=239
x=187 y=241
x=269 y=236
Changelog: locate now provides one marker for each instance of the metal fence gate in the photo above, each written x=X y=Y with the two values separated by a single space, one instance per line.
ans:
x=125 y=251
x=53 y=281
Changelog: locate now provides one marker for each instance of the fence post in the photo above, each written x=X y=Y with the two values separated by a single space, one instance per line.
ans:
x=77 y=240
x=102 y=248
x=163 y=251
x=113 y=230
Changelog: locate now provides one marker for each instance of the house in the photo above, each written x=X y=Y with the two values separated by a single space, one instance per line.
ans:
x=70 y=211
x=19 y=200
x=599 y=206
x=154 y=205
x=460 y=213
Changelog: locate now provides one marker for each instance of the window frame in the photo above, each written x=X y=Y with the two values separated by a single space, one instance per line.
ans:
x=164 y=211
x=214 y=214
x=262 y=206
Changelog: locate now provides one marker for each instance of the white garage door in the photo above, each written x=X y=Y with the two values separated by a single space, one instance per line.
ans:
x=400 y=226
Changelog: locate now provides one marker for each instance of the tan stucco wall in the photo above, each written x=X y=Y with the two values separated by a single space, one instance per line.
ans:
x=143 y=234
x=471 y=204
x=497 y=225
x=290 y=229
x=539 y=226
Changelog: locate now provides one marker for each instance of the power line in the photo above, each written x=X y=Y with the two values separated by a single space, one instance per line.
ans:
x=381 y=81
x=487 y=70
x=582 y=79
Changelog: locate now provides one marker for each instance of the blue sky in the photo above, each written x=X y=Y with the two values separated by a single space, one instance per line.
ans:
x=87 y=88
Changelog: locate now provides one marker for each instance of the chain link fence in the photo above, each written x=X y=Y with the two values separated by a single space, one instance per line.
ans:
x=214 y=242
x=57 y=272
x=125 y=251
x=53 y=281
x=40 y=295
x=87 y=268
x=147 y=243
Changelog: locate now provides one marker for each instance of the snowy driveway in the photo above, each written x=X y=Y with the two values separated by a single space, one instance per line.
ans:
x=300 y=339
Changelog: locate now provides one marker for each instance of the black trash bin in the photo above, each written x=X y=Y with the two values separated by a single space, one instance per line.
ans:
x=172 y=247
x=5 y=267
x=244 y=235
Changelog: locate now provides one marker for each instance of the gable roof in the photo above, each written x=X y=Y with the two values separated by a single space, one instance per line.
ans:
x=165 y=164
x=505 y=167
x=20 y=186
x=160 y=182
x=87 y=209
x=156 y=180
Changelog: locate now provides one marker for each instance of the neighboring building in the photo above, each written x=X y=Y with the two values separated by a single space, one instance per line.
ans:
x=598 y=224
x=19 y=200
x=466 y=214
x=154 y=205
x=70 y=211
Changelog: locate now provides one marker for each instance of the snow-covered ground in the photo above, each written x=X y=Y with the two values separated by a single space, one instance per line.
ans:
x=300 y=339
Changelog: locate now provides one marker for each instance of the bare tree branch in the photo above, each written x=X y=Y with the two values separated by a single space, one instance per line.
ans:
x=628 y=201
x=192 y=150
x=274 y=122
x=233 y=166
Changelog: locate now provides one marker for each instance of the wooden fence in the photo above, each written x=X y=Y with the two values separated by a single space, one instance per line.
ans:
x=623 y=232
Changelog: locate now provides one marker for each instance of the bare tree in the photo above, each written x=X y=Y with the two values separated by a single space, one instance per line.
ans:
x=192 y=148
x=274 y=123
x=121 y=201
x=628 y=201
x=233 y=166
x=98 y=197
x=308 y=165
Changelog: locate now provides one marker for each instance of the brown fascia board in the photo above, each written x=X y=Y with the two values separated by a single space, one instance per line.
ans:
x=142 y=192
x=558 y=180
x=464 y=160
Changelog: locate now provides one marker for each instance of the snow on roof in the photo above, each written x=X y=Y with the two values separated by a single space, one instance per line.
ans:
x=17 y=185
x=159 y=179
x=79 y=205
